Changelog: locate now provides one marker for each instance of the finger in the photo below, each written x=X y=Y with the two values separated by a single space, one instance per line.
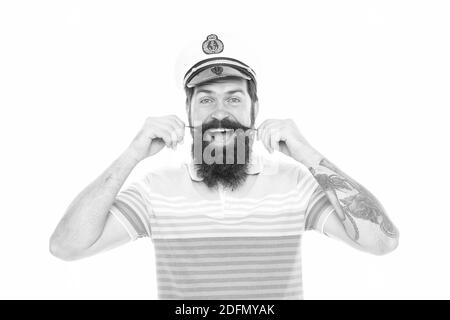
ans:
x=179 y=128
x=263 y=138
x=262 y=127
x=181 y=137
x=175 y=128
x=176 y=132
x=275 y=140
x=275 y=126
x=180 y=131
x=177 y=120
x=174 y=137
x=266 y=137
x=164 y=134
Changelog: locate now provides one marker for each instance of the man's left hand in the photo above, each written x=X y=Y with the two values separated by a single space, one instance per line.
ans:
x=283 y=135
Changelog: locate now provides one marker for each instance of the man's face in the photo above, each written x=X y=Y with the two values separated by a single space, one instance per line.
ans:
x=221 y=115
x=223 y=99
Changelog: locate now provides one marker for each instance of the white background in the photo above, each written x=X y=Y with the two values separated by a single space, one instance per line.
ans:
x=367 y=82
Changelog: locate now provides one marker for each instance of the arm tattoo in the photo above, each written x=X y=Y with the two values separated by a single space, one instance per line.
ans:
x=351 y=200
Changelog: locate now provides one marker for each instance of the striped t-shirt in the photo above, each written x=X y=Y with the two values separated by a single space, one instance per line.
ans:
x=222 y=244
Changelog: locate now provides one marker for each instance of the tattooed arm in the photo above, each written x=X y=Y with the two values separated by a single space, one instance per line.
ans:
x=341 y=206
x=358 y=217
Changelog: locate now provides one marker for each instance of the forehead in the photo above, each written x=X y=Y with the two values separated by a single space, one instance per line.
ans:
x=222 y=86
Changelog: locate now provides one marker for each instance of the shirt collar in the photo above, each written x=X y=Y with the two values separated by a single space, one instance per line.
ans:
x=255 y=166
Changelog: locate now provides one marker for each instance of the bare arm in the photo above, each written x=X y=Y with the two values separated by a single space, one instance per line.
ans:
x=85 y=219
x=358 y=217
x=87 y=227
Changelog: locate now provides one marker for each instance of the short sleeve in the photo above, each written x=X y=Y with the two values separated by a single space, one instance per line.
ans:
x=319 y=208
x=132 y=211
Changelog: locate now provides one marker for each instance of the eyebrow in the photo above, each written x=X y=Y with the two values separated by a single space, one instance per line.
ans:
x=228 y=92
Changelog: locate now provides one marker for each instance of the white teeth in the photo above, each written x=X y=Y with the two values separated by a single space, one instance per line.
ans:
x=218 y=130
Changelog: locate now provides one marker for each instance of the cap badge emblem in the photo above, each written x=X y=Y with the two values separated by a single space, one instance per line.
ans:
x=212 y=45
x=217 y=70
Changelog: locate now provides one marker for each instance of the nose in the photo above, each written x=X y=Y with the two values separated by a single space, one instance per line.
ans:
x=220 y=115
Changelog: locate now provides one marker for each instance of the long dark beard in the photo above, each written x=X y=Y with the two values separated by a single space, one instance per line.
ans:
x=230 y=176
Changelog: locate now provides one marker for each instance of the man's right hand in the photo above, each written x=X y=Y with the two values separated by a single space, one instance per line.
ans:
x=156 y=133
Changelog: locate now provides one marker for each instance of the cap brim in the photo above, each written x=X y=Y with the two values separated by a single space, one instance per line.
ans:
x=215 y=72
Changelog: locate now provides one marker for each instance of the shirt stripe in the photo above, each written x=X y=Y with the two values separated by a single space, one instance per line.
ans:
x=229 y=268
x=224 y=245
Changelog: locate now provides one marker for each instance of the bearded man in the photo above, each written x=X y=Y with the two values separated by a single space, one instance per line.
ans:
x=228 y=224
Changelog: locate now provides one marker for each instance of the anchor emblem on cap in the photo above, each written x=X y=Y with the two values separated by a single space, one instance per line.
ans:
x=212 y=45
x=217 y=70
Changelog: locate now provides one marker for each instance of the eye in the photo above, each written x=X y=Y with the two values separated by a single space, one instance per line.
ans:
x=205 y=100
x=234 y=100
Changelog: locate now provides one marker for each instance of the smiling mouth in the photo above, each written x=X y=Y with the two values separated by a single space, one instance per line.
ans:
x=219 y=135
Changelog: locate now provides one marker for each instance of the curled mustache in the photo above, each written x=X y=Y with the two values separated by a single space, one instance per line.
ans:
x=223 y=124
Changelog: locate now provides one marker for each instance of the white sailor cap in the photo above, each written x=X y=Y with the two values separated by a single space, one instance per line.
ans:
x=215 y=56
